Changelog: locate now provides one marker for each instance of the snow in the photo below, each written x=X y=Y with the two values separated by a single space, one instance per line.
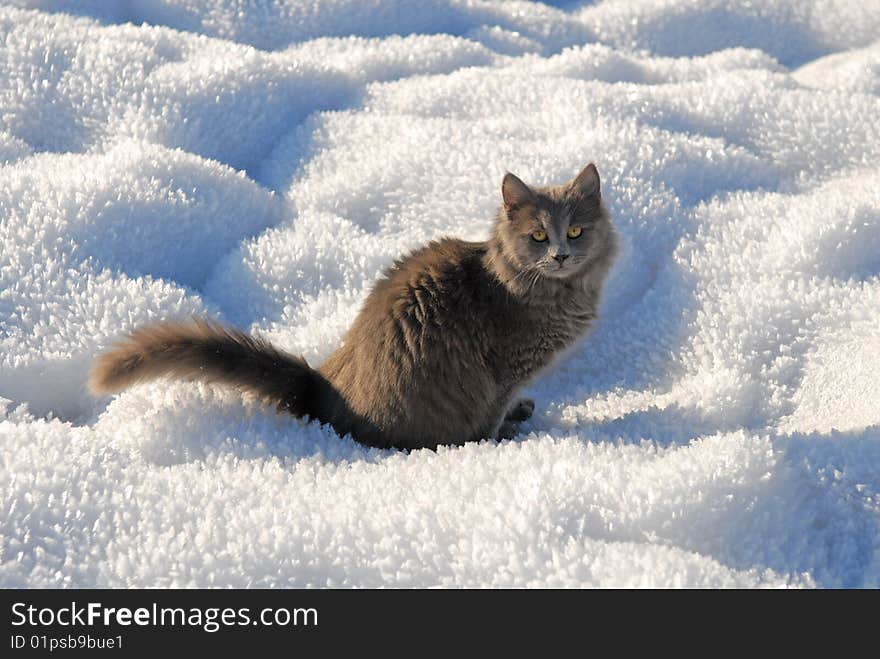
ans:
x=262 y=162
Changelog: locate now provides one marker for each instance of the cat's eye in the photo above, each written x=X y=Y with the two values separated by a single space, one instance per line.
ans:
x=540 y=235
x=575 y=232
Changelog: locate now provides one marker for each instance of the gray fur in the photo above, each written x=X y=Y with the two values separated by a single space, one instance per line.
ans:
x=444 y=341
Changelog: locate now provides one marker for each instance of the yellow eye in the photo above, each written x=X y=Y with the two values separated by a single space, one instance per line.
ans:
x=575 y=232
x=540 y=235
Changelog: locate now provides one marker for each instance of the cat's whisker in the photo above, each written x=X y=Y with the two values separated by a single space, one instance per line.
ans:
x=522 y=273
x=535 y=278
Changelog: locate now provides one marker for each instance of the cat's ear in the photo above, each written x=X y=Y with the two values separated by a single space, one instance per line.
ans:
x=515 y=192
x=586 y=184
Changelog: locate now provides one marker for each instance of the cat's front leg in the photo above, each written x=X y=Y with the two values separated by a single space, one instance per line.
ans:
x=520 y=411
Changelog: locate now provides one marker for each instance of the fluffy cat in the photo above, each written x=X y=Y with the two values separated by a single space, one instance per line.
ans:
x=443 y=343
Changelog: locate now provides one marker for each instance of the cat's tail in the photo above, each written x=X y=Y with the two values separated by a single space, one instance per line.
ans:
x=205 y=350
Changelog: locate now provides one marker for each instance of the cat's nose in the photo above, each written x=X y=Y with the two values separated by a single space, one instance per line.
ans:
x=560 y=258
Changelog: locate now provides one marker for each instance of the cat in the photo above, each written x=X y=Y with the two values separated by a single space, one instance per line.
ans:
x=444 y=342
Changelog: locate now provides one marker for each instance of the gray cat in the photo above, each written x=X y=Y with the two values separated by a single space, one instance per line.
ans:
x=445 y=340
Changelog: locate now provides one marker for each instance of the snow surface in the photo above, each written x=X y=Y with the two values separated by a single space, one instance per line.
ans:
x=262 y=162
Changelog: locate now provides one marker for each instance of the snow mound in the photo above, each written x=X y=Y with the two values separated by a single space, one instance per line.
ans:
x=853 y=71
x=262 y=162
x=792 y=31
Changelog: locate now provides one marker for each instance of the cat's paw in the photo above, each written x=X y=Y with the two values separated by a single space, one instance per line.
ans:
x=507 y=430
x=521 y=410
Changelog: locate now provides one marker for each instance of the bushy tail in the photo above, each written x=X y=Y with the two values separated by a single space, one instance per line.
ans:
x=204 y=350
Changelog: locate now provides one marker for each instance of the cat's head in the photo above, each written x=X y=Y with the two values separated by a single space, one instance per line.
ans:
x=556 y=232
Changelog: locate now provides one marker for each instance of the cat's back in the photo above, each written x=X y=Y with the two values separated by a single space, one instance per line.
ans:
x=431 y=280
x=418 y=308
x=413 y=360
